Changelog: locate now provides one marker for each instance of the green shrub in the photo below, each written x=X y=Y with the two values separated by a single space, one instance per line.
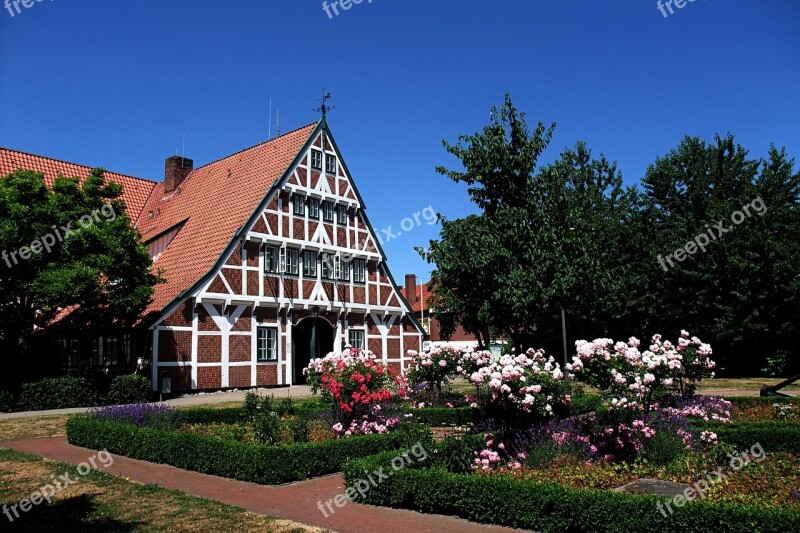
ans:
x=456 y=454
x=7 y=401
x=550 y=507
x=444 y=416
x=247 y=462
x=209 y=415
x=57 y=393
x=130 y=388
x=663 y=448
x=266 y=426
x=772 y=436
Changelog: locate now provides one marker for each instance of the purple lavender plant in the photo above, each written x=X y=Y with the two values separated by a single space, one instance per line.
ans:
x=152 y=415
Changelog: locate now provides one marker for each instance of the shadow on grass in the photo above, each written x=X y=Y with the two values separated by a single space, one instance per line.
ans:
x=73 y=514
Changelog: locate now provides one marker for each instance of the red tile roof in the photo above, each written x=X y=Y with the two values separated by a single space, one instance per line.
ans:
x=215 y=201
x=135 y=190
x=414 y=300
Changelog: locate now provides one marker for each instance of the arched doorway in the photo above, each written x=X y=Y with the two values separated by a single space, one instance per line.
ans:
x=312 y=338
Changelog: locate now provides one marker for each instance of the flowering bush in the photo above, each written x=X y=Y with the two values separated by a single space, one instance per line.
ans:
x=355 y=380
x=706 y=408
x=632 y=378
x=377 y=421
x=528 y=382
x=434 y=366
x=141 y=415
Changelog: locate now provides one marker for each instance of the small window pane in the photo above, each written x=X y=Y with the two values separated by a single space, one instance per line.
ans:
x=356 y=338
x=271 y=259
x=300 y=205
x=313 y=208
x=330 y=163
x=359 y=271
x=316 y=159
x=267 y=344
x=341 y=214
x=293 y=261
x=310 y=264
x=327 y=211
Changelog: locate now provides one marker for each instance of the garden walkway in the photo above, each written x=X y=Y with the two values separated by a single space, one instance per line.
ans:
x=202 y=398
x=297 y=501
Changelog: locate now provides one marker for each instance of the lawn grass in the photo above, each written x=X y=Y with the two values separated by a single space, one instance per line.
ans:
x=33 y=427
x=100 y=502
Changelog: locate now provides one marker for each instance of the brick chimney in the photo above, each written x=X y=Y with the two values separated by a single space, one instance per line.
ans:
x=411 y=288
x=176 y=168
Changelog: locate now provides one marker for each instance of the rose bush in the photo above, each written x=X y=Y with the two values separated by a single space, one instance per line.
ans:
x=355 y=380
x=631 y=378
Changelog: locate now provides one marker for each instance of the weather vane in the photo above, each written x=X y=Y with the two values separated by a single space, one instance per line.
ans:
x=324 y=107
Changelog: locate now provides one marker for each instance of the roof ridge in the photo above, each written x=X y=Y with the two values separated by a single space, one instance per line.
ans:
x=254 y=146
x=77 y=164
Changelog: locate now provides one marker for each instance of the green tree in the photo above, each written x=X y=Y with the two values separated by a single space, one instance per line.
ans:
x=544 y=240
x=70 y=247
x=741 y=292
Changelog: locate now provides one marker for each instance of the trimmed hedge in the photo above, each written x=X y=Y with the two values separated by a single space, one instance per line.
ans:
x=743 y=402
x=57 y=393
x=773 y=436
x=550 y=507
x=268 y=465
x=209 y=415
x=130 y=388
x=446 y=416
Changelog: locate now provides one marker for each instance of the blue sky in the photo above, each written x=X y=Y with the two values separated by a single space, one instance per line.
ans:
x=118 y=83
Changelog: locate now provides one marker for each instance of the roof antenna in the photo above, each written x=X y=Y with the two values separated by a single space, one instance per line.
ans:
x=183 y=150
x=269 y=135
x=324 y=107
x=278 y=133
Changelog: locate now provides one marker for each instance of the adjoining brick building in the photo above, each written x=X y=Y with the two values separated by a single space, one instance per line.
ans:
x=269 y=261
x=419 y=297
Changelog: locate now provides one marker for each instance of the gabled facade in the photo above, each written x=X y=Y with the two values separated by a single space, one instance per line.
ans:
x=301 y=272
x=269 y=261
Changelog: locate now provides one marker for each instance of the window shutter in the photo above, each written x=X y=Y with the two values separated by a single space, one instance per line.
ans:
x=282 y=260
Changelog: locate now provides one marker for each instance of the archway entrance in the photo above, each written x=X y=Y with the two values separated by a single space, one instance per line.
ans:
x=311 y=338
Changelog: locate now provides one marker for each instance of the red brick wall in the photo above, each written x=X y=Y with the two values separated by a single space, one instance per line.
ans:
x=174 y=346
x=182 y=316
x=209 y=349
x=239 y=376
x=239 y=348
x=181 y=377
x=266 y=375
x=209 y=377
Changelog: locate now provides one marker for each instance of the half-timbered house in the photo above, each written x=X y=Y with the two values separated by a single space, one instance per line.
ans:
x=269 y=261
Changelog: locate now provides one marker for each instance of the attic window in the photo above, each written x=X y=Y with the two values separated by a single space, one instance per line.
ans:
x=299 y=205
x=316 y=159
x=330 y=164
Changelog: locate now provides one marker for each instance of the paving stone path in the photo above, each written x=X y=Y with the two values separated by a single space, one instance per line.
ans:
x=297 y=501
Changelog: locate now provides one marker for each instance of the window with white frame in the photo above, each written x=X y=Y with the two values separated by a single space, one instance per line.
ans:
x=299 y=205
x=313 y=208
x=327 y=264
x=327 y=211
x=272 y=257
x=356 y=339
x=342 y=266
x=267 y=344
x=316 y=159
x=330 y=163
x=291 y=261
x=359 y=270
x=309 y=264
x=341 y=214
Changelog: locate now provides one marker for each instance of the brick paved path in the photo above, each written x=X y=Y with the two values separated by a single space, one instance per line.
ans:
x=297 y=501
